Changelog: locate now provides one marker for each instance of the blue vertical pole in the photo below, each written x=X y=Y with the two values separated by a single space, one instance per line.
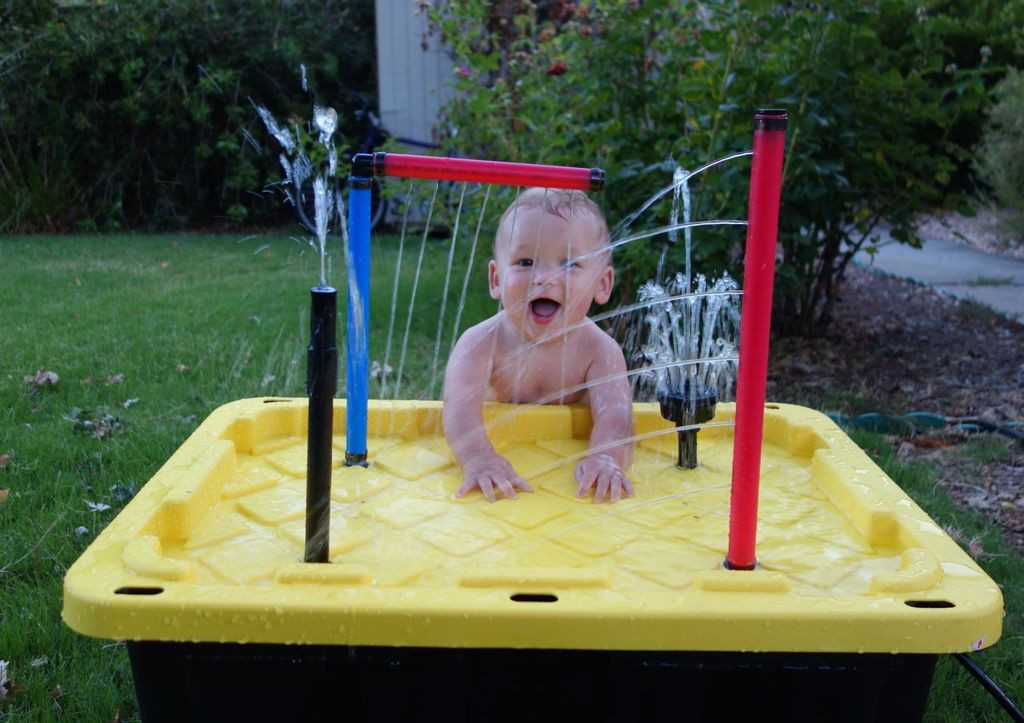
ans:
x=358 y=263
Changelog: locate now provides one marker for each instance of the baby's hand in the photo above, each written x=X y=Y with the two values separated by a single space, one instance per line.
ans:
x=490 y=471
x=602 y=473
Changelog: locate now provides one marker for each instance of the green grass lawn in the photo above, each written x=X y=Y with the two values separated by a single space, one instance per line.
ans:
x=148 y=334
x=956 y=696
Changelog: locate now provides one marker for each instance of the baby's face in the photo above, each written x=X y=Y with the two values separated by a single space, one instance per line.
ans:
x=547 y=271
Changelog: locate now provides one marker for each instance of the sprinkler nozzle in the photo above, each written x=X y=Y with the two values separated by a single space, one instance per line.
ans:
x=684 y=405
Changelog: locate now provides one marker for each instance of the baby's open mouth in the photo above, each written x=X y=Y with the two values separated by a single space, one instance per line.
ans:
x=544 y=309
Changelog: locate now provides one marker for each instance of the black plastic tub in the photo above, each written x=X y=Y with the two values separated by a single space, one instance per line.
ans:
x=231 y=681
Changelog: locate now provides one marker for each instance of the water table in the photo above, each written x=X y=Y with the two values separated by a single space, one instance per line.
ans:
x=546 y=602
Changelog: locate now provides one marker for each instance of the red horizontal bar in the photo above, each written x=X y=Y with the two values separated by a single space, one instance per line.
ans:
x=475 y=171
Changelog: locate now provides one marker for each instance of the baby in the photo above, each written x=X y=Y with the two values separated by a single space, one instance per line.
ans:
x=551 y=261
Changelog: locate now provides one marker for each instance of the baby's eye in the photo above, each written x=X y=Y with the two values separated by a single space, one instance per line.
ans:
x=525 y=263
x=570 y=264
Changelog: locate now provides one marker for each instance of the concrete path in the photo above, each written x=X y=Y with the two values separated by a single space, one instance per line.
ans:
x=996 y=281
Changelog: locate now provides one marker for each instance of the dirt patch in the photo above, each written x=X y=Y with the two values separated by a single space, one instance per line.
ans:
x=896 y=347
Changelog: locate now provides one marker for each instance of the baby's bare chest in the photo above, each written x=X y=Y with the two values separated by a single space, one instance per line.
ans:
x=547 y=376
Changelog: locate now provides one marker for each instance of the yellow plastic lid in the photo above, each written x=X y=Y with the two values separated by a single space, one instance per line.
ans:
x=211 y=548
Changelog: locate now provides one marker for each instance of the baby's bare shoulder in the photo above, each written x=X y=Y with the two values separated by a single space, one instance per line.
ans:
x=600 y=347
x=473 y=355
x=482 y=333
x=596 y=338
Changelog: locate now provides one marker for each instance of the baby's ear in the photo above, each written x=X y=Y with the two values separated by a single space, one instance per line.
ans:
x=493 y=280
x=604 y=286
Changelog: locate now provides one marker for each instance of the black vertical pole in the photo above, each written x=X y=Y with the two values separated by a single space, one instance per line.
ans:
x=321 y=386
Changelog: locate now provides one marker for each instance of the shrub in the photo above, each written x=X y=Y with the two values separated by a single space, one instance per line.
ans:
x=1000 y=160
x=873 y=91
x=137 y=113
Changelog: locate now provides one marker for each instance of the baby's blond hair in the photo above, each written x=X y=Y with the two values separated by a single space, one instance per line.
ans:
x=565 y=204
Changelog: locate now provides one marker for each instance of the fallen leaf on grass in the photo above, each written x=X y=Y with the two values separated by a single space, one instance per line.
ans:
x=42 y=378
x=116 y=379
x=123 y=492
x=97 y=423
x=381 y=372
x=56 y=692
x=5 y=459
x=3 y=495
x=5 y=685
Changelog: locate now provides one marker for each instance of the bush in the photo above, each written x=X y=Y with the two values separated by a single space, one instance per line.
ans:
x=874 y=92
x=138 y=114
x=1000 y=160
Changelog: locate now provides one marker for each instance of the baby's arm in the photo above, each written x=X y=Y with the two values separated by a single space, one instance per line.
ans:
x=611 y=408
x=465 y=386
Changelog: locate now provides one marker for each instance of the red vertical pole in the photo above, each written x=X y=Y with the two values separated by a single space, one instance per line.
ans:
x=755 y=328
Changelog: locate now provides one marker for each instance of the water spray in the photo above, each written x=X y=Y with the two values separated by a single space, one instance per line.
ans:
x=322 y=354
x=686 y=351
x=367 y=166
x=321 y=362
